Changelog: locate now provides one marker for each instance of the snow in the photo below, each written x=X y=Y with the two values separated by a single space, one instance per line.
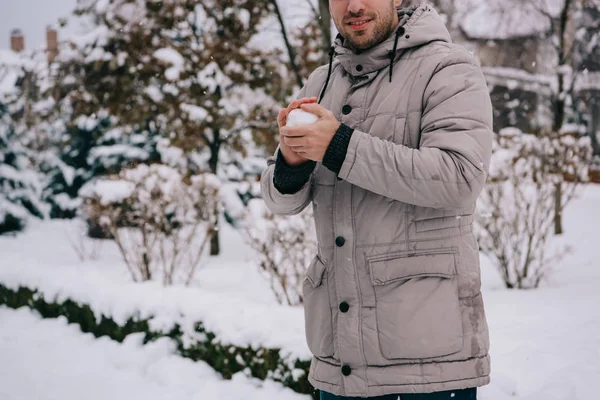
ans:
x=172 y=57
x=300 y=117
x=509 y=19
x=124 y=150
x=573 y=128
x=108 y=191
x=589 y=80
x=98 y=54
x=50 y=359
x=101 y=6
x=543 y=342
x=7 y=207
x=510 y=131
x=247 y=310
x=154 y=93
x=67 y=203
x=10 y=173
x=9 y=71
x=519 y=75
x=212 y=76
x=195 y=113
x=170 y=155
x=231 y=201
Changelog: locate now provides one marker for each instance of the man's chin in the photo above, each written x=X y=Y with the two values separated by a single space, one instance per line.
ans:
x=361 y=45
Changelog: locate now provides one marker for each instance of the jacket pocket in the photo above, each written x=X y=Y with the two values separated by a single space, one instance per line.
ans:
x=431 y=219
x=417 y=307
x=318 y=319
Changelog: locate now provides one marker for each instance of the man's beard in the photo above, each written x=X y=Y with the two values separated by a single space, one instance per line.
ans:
x=378 y=33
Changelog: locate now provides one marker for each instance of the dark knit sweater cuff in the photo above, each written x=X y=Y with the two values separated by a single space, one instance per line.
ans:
x=336 y=152
x=289 y=179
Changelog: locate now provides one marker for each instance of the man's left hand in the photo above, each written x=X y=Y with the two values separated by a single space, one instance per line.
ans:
x=311 y=141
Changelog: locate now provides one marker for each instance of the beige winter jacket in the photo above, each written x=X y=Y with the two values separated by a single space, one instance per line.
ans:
x=392 y=299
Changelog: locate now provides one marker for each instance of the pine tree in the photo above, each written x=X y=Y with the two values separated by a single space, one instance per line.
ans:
x=25 y=136
x=20 y=185
x=37 y=126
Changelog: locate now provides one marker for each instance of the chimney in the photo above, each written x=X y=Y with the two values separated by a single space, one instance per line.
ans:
x=51 y=43
x=17 y=41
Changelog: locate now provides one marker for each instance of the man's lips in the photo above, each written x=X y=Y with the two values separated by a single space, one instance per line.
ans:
x=359 y=24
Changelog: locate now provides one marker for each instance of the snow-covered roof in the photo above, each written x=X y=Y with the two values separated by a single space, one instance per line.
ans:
x=509 y=18
x=539 y=83
x=588 y=81
x=516 y=78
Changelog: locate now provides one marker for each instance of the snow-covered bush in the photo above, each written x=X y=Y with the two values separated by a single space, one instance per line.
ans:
x=160 y=220
x=284 y=246
x=227 y=359
x=516 y=208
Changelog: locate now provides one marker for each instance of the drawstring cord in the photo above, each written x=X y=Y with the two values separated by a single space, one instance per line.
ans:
x=331 y=54
x=392 y=53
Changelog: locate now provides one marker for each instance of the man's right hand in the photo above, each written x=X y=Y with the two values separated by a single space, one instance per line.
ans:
x=291 y=157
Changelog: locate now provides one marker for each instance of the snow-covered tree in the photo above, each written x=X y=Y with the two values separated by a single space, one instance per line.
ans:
x=28 y=94
x=190 y=72
x=26 y=137
x=20 y=184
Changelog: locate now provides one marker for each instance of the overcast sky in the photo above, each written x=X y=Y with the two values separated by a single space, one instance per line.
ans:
x=32 y=17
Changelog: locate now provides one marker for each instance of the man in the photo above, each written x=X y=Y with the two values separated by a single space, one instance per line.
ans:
x=393 y=168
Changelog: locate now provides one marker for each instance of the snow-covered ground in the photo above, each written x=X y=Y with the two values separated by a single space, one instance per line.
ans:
x=47 y=359
x=228 y=295
x=545 y=342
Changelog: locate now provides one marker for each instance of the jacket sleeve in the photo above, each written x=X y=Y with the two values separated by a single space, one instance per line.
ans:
x=450 y=166
x=286 y=189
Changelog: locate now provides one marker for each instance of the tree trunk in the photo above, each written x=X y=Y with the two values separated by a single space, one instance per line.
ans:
x=594 y=111
x=213 y=163
x=325 y=25
x=559 y=117
x=558 y=226
x=560 y=104
x=215 y=243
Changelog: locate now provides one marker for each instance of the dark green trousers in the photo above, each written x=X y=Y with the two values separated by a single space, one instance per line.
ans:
x=463 y=394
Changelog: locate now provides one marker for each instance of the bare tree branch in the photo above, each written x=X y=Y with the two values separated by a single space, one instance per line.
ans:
x=288 y=45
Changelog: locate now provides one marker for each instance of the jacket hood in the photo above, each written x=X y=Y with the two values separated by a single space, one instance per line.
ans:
x=418 y=25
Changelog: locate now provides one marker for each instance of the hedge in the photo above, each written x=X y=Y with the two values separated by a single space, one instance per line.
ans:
x=227 y=359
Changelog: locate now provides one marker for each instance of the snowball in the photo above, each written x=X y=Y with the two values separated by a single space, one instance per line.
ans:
x=300 y=117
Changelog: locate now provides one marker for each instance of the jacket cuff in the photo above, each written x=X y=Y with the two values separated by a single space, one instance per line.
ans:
x=336 y=152
x=290 y=179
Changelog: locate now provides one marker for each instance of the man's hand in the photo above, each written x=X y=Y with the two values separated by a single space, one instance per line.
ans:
x=291 y=157
x=311 y=141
